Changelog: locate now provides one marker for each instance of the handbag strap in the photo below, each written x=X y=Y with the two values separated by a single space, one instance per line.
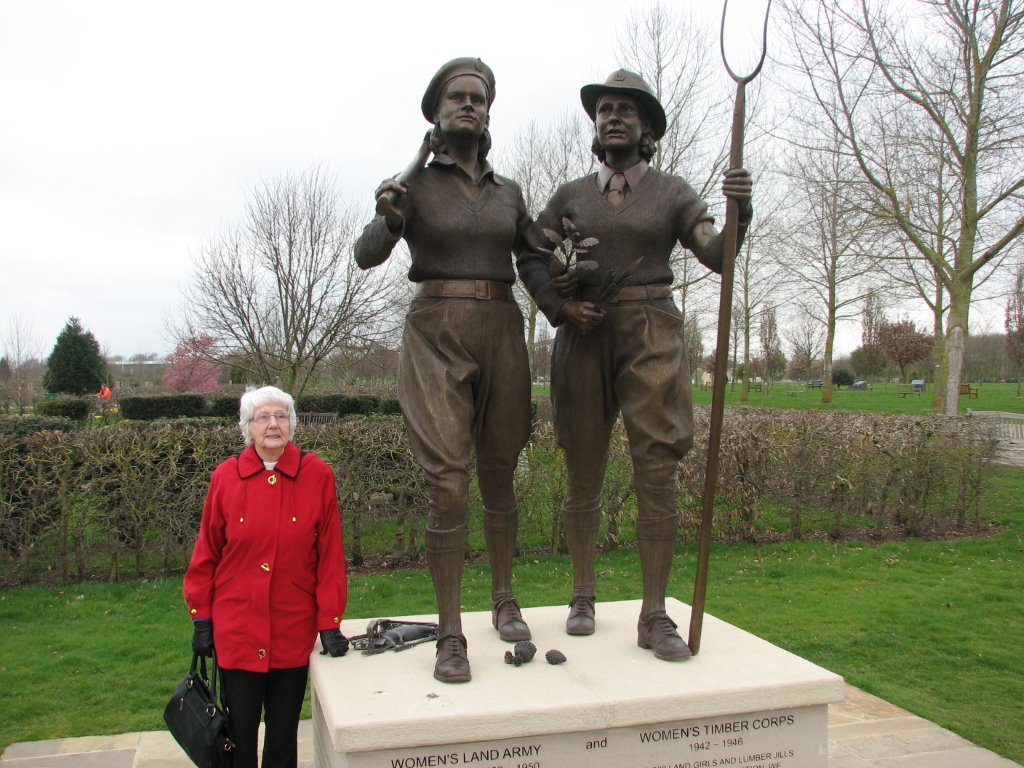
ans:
x=199 y=664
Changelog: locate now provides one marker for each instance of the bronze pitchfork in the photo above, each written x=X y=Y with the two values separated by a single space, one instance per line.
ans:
x=732 y=212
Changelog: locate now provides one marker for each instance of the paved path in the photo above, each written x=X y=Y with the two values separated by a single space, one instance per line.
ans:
x=863 y=732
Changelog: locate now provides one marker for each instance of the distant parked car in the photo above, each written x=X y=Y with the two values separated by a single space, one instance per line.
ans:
x=860 y=385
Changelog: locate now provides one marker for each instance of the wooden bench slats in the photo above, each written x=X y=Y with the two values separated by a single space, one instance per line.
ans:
x=311 y=419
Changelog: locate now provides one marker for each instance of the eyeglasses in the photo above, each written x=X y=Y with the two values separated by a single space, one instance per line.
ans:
x=264 y=418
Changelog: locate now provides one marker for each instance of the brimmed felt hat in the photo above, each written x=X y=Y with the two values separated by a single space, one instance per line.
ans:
x=631 y=84
x=466 y=65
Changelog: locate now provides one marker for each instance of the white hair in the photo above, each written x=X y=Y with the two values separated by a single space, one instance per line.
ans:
x=257 y=398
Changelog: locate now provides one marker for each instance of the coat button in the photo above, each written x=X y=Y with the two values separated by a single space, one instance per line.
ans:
x=193 y=611
x=262 y=654
x=265 y=567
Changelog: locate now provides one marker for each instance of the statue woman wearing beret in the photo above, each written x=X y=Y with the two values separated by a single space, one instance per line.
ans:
x=464 y=382
x=626 y=355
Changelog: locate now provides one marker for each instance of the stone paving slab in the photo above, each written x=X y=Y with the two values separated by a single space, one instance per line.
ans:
x=863 y=732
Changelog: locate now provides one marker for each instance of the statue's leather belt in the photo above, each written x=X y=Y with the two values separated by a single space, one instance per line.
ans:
x=649 y=292
x=465 y=289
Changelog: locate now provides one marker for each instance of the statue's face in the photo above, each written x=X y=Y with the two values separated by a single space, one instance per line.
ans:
x=462 y=107
x=619 y=121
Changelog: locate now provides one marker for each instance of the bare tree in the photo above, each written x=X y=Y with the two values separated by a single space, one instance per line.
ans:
x=280 y=293
x=22 y=352
x=946 y=82
x=694 y=341
x=825 y=254
x=806 y=339
x=757 y=276
x=771 y=361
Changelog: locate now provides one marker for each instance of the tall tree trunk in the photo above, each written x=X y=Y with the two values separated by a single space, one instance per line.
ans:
x=956 y=336
x=939 y=350
x=826 y=360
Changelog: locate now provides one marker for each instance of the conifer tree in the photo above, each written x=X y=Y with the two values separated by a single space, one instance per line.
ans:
x=75 y=366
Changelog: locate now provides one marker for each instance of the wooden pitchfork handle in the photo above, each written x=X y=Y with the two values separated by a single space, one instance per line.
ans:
x=730 y=235
x=388 y=197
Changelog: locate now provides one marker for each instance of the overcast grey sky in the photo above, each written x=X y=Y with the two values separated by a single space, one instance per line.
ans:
x=132 y=131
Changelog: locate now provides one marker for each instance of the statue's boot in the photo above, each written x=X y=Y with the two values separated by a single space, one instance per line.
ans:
x=657 y=523
x=581 y=535
x=500 y=529
x=655 y=630
x=446 y=550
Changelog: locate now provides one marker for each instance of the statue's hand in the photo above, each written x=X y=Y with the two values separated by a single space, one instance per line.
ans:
x=386 y=194
x=582 y=315
x=566 y=283
x=739 y=185
x=397 y=188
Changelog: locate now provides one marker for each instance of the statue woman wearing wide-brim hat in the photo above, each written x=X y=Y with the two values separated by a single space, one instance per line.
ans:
x=464 y=381
x=625 y=353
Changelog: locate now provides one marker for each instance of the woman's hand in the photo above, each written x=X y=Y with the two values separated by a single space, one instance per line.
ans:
x=334 y=643
x=202 y=637
x=582 y=315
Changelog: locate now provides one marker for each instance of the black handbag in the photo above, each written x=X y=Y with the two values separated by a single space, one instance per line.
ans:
x=198 y=720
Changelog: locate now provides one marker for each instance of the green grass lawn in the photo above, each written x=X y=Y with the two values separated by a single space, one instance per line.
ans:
x=932 y=626
x=881 y=398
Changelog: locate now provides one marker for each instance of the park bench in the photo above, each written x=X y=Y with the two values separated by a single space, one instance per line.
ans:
x=918 y=385
x=311 y=419
x=906 y=389
x=792 y=390
x=971 y=392
x=816 y=384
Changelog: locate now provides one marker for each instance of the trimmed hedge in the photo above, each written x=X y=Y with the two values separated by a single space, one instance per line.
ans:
x=163 y=406
x=225 y=406
x=76 y=409
x=129 y=496
x=343 y=405
x=19 y=426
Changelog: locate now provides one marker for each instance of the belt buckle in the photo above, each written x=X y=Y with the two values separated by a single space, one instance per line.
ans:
x=483 y=289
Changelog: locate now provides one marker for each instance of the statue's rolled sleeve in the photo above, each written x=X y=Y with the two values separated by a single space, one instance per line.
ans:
x=375 y=244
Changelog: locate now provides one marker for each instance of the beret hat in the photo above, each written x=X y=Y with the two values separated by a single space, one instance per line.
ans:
x=466 y=65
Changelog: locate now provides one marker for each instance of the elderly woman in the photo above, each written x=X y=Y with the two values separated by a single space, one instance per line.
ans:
x=464 y=382
x=627 y=354
x=267 y=572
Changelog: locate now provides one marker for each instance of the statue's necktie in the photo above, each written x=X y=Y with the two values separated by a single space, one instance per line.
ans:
x=617 y=189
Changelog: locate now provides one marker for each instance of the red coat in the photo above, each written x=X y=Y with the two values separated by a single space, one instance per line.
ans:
x=268 y=566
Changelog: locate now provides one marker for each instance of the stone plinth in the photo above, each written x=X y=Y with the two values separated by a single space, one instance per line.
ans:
x=740 y=702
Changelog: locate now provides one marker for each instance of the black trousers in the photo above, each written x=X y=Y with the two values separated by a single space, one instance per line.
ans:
x=279 y=693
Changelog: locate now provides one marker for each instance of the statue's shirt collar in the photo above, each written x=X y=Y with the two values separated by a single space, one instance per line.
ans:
x=443 y=160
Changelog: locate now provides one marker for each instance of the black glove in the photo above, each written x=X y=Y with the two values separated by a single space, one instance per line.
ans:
x=334 y=643
x=202 y=637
